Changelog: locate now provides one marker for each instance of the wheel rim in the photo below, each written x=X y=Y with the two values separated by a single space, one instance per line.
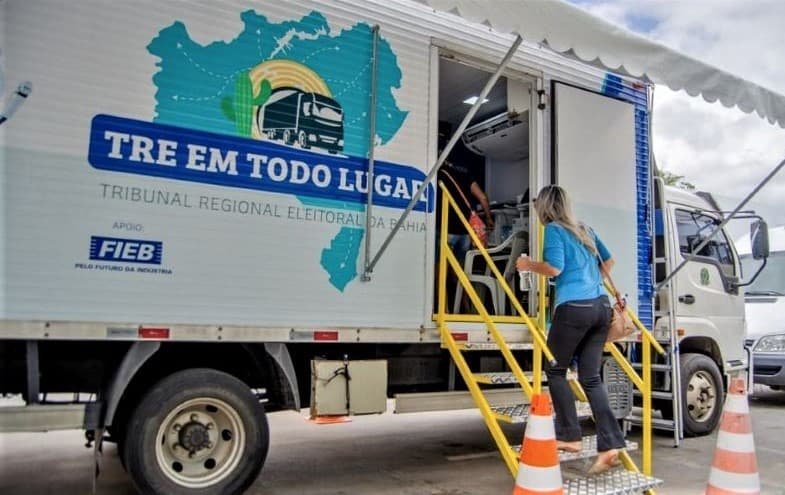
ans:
x=701 y=396
x=200 y=442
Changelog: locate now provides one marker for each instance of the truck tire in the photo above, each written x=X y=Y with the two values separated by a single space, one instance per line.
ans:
x=302 y=140
x=196 y=432
x=702 y=395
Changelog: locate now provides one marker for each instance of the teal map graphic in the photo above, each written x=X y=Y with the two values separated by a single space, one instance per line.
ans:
x=215 y=88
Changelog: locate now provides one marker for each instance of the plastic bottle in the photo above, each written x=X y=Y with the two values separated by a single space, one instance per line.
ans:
x=525 y=281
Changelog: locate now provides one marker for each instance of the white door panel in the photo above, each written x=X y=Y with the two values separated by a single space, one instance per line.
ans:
x=595 y=163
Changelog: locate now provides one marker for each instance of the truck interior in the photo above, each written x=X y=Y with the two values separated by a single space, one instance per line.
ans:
x=493 y=152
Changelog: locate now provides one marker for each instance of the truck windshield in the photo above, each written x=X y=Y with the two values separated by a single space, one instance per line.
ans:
x=327 y=113
x=771 y=281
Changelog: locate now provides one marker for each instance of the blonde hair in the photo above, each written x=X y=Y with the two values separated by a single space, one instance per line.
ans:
x=553 y=205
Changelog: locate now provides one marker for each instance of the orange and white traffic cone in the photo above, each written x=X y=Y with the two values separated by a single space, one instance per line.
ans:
x=539 y=472
x=735 y=468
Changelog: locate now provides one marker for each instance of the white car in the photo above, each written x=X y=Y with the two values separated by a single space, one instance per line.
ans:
x=765 y=310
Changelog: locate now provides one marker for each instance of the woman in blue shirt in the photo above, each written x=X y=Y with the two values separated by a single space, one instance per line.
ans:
x=580 y=323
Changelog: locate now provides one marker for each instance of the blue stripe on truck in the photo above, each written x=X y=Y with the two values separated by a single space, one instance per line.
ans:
x=616 y=87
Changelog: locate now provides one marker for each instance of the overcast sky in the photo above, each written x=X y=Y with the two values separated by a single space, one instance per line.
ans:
x=720 y=150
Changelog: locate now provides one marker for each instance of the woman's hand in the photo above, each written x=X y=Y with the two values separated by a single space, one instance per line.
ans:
x=523 y=263
x=526 y=264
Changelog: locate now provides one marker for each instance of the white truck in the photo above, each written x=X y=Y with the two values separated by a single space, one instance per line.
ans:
x=181 y=270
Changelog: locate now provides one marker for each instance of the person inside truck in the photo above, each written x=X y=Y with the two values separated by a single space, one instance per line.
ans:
x=461 y=187
x=571 y=256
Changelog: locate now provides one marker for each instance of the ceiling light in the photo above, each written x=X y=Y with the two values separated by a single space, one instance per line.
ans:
x=473 y=99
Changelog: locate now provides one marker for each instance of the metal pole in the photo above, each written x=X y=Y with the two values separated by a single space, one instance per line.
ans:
x=724 y=222
x=16 y=100
x=447 y=149
x=366 y=276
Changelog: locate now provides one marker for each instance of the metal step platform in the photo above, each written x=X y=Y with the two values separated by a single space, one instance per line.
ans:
x=514 y=414
x=519 y=413
x=614 y=482
x=589 y=449
x=502 y=378
x=508 y=378
x=492 y=346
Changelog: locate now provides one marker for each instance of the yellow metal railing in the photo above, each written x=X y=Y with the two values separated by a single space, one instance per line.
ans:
x=536 y=329
x=642 y=383
x=537 y=334
x=446 y=256
x=541 y=313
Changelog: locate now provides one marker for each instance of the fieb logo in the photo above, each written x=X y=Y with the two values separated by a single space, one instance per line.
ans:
x=125 y=250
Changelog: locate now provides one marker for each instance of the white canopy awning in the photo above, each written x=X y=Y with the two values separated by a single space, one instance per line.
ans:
x=568 y=29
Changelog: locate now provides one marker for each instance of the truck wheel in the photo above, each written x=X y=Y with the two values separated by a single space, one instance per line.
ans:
x=197 y=431
x=302 y=140
x=702 y=395
x=287 y=136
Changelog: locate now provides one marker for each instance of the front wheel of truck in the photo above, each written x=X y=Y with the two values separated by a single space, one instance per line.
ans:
x=196 y=432
x=702 y=395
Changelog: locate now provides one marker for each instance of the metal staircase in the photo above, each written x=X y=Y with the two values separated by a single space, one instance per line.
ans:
x=669 y=385
x=626 y=480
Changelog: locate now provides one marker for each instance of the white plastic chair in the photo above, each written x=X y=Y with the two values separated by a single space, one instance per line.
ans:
x=516 y=243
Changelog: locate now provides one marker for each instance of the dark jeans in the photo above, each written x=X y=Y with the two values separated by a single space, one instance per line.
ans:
x=579 y=330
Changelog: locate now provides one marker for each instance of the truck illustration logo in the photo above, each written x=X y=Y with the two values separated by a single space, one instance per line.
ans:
x=303 y=119
x=287 y=102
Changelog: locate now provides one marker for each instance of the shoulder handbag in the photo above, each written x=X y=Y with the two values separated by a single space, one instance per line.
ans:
x=621 y=323
x=474 y=219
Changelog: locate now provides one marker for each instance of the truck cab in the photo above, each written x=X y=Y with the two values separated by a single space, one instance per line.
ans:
x=700 y=311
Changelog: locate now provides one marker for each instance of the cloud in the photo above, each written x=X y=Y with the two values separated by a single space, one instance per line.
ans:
x=720 y=150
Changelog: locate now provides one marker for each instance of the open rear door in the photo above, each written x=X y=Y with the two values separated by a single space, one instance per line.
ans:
x=594 y=159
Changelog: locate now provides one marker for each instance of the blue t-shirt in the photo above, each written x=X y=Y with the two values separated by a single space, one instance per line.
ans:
x=580 y=273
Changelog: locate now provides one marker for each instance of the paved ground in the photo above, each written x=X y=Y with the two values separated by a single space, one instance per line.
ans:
x=418 y=454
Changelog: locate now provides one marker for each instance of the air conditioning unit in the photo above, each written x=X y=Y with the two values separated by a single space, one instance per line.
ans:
x=504 y=137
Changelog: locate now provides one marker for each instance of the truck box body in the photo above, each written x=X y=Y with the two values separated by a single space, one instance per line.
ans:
x=185 y=195
x=141 y=187
x=279 y=245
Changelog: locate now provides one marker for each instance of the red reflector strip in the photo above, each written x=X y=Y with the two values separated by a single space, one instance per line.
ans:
x=325 y=335
x=461 y=337
x=153 y=333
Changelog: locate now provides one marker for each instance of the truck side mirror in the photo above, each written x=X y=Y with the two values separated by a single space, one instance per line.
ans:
x=759 y=240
